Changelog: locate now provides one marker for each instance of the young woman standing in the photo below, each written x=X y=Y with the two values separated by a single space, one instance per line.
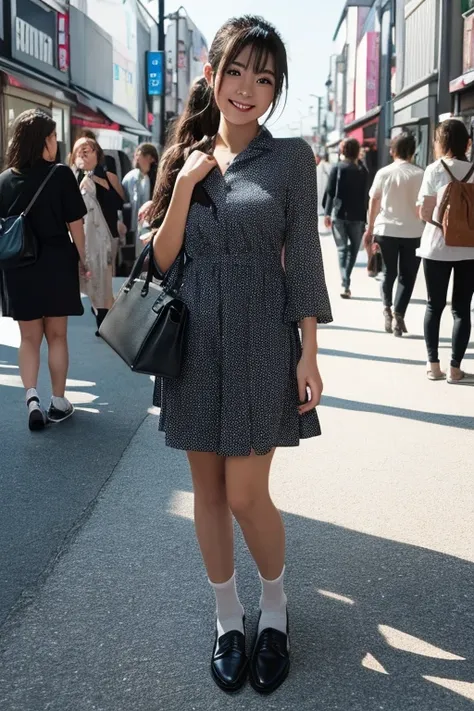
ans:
x=233 y=197
x=42 y=296
x=440 y=261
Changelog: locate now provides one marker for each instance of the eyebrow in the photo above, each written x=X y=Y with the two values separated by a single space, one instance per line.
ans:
x=264 y=71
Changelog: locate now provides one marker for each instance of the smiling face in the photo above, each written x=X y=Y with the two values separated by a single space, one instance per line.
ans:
x=244 y=92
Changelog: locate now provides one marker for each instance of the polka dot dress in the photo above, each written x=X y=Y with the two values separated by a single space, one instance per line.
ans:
x=237 y=392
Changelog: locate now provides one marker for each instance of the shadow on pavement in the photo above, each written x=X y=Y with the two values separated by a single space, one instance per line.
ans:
x=435 y=418
x=126 y=621
x=371 y=357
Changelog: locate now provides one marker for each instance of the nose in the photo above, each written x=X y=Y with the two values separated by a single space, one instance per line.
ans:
x=246 y=86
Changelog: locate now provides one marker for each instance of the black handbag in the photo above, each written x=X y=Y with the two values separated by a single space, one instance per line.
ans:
x=18 y=243
x=146 y=325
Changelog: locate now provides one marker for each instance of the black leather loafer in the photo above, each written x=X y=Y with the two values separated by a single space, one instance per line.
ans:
x=229 y=661
x=270 y=660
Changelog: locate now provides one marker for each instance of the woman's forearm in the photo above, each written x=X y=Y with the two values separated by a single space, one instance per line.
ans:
x=169 y=237
x=76 y=230
x=309 y=328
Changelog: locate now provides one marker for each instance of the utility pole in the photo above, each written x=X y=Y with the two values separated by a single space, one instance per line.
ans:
x=161 y=48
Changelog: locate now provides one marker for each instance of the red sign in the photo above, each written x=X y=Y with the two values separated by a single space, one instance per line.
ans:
x=63 y=41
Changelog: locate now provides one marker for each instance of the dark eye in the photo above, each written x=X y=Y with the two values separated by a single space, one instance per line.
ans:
x=264 y=80
x=233 y=72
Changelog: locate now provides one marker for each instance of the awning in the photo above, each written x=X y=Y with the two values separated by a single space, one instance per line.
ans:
x=461 y=82
x=35 y=82
x=115 y=114
x=368 y=118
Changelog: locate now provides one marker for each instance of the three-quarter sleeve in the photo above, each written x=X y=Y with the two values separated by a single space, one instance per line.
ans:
x=307 y=294
x=73 y=206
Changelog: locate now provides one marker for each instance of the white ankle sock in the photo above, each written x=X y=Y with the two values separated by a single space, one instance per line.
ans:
x=31 y=392
x=60 y=403
x=273 y=604
x=228 y=607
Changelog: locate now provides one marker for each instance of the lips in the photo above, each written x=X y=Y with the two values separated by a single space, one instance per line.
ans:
x=241 y=107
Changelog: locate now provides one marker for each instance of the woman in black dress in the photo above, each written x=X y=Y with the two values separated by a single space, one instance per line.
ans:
x=104 y=196
x=41 y=296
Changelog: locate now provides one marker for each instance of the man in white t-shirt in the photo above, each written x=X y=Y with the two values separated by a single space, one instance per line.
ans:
x=395 y=225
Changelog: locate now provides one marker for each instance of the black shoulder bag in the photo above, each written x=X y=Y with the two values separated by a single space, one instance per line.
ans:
x=146 y=325
x=18 y=243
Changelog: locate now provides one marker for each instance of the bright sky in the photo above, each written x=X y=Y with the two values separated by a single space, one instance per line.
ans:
x=307 y=27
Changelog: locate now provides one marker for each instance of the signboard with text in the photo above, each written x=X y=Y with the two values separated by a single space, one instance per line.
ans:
x=154 y=65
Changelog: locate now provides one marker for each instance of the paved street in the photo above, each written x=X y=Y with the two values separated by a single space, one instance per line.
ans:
x=115 y=612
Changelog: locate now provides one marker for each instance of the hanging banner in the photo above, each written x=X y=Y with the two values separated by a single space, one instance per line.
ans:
x=154 y=65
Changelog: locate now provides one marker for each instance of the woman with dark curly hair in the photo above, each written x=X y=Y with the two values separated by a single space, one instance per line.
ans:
x=42 y=296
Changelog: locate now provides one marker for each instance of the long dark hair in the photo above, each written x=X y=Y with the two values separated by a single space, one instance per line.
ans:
x=199 y=122
x=29 y=133
x=453 y=137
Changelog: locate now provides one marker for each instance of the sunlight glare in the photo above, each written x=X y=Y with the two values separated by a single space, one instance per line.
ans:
x=335 y=596
x=407 y=643
x=463 y=688
x=182 y=504
x=370 y=662
x=80 y=398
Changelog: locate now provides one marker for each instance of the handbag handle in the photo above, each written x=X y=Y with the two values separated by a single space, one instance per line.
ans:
x=138 y=268
x=40 y=189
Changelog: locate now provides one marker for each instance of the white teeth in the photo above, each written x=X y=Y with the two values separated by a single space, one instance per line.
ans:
x=243 y=107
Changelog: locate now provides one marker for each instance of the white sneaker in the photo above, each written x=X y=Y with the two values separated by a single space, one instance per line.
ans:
x=36 y=415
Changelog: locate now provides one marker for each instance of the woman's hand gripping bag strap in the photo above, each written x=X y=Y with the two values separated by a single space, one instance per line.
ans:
x=146 y=326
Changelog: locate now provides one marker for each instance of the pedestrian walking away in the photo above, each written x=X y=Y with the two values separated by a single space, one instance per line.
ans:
x=323 y=170
x=139 y=185
x=42 y=295
x=395 y=225
x=440 y=261
x=345 y=206
x=104 y=196
x=232 y=197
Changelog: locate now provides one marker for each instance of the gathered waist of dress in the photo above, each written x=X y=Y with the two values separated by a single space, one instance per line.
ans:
x=265 y=260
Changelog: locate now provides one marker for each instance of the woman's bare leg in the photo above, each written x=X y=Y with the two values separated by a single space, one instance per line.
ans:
x=58 y=355
x=247 y=480
x=212 y=516
x=29 y=352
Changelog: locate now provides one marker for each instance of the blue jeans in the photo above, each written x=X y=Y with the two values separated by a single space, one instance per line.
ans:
x=347 y=236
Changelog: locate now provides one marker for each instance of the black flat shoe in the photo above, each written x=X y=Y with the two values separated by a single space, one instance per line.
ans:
x=229 y=661
x=270 y=660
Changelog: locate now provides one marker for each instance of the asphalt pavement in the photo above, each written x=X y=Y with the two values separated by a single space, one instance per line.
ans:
x=116 y=613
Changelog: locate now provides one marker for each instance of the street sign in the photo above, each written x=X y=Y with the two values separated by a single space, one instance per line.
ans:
x=154 y=69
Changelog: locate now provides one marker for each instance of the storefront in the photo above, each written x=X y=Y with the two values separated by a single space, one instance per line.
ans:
x=93 y=80
x=34 y=67
x=416 y=111
x=462 y=88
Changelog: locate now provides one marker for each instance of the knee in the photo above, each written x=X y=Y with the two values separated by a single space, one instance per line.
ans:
x=211 y=497
x=461 y=311
x=55 y=336
x=243 y=504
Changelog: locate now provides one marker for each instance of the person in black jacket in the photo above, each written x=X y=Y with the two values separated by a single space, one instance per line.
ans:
x=345 y=208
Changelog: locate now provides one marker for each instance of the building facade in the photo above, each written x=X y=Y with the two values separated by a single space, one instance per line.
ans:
x=68 y=58
x=386 y=79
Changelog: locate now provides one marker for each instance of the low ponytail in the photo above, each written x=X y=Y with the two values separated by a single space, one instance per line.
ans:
x=193 y=130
